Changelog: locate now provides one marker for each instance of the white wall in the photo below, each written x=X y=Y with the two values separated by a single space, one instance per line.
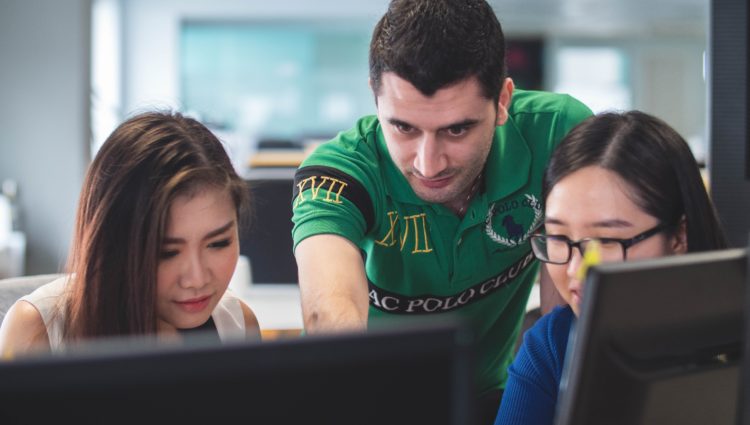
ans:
x=44 y=109
x=44 y=78
x=670 y=84
x=151 y=36
x=662 y=43
x=666 y=76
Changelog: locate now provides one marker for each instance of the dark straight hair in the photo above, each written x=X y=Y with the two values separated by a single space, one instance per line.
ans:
x=146 y=163
x=435 y=43
x=655 y=162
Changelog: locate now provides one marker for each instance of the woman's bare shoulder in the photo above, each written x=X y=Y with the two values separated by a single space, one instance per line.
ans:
x=252 y=327
x=22 y=330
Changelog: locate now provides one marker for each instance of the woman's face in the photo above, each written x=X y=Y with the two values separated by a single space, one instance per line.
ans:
x=198 y=256
x=593 y=203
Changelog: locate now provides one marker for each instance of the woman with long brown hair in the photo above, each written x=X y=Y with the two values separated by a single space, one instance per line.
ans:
x=155 y=244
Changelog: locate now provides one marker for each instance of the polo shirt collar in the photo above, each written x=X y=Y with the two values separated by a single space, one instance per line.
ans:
x=509 y=163
x=508 y=166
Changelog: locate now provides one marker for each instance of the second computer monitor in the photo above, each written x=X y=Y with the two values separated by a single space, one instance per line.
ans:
x=658 y=342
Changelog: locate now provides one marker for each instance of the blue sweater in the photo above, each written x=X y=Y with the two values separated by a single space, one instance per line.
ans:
x=534 y=376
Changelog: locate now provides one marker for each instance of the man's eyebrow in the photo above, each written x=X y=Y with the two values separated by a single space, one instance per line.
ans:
x=468 y=122
x=209 y=235
x=464 y=123
x=396 y=121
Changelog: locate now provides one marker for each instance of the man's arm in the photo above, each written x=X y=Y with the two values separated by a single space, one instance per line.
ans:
x=333 y=284
x=549 y=298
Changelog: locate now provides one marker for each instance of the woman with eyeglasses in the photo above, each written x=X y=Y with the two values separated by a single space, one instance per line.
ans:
x=629 y=182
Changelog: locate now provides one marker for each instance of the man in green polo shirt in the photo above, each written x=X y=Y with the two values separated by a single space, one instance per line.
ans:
x=426 y=208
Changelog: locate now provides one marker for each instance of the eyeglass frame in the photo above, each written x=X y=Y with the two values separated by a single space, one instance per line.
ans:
x=625 y=243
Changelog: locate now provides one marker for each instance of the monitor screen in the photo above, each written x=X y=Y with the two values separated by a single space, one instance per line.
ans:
x=745 y=387
x=267 y=241
x=658 y=342
x=406 y=376
x=729 y=108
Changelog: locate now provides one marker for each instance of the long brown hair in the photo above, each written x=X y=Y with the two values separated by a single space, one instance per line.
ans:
x=122 y=214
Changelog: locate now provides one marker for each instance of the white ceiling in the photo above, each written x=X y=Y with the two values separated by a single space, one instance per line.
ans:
x=573 y=18
x=604 y=18
x=552 y=18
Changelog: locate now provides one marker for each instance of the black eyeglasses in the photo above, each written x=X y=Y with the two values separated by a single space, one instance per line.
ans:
x=557 y=249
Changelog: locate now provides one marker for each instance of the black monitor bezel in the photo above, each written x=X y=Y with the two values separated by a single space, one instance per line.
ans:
x=581 y=353
x=126 y=366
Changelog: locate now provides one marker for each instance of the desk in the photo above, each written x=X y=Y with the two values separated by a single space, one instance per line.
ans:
x=277 y=158
x=282 y=157
x=277 y=306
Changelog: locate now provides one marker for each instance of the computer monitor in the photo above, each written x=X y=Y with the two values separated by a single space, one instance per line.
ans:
x=745 y=386
x=728 y=73
x=420 y=374
x=267 y=241
x=657 y=342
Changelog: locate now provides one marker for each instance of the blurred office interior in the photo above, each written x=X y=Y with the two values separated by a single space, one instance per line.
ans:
x=289 y=73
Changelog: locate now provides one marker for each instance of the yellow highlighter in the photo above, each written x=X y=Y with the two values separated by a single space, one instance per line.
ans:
x=591 y=257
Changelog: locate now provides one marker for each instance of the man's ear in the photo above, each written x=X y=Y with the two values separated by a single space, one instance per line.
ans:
x=679 y=242
x=503 y=103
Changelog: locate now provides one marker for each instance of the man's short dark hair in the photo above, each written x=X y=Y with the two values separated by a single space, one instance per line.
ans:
x=435 y=43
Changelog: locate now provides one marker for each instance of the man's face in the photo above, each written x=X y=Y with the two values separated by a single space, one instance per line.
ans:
x=441 y=142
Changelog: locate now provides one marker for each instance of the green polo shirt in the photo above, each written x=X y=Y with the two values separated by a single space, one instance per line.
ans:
x=421 y=259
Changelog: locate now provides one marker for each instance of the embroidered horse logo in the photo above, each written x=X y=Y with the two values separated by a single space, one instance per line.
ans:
x=515 y=231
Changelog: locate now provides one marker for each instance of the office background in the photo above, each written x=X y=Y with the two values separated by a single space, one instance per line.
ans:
x=71 y=70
